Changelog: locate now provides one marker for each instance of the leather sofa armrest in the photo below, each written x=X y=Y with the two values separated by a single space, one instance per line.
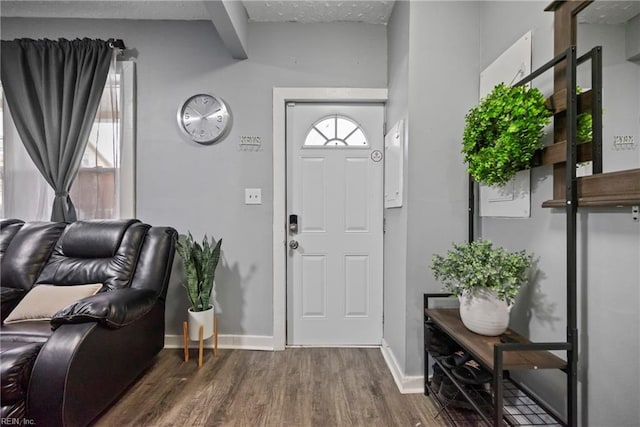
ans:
x=115 y=308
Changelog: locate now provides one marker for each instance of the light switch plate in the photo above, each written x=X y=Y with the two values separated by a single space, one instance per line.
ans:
x=252 y=196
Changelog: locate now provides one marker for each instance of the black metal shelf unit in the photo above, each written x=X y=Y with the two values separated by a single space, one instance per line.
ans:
x=506 y=402
x=501 y=412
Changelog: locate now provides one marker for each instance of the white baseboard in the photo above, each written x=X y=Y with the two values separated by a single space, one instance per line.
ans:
x=243 y=342
x=406 y=384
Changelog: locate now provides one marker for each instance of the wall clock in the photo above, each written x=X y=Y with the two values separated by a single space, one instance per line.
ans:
x=204 y=118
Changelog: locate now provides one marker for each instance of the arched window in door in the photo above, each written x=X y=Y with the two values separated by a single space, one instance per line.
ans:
x=335 y=131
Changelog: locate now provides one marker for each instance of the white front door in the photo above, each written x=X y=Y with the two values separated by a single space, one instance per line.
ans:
x=335 y=195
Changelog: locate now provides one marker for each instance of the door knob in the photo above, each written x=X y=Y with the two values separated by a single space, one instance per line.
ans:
x=293 y=244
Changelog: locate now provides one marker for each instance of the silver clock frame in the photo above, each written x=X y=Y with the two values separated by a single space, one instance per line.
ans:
x=225 y=111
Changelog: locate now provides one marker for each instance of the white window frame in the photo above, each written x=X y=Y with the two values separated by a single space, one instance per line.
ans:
x=127 y=179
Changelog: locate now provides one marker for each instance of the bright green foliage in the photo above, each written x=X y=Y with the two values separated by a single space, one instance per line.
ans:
x=480 y=265
x=200 y=262
x=585 y=124
x=503 y=132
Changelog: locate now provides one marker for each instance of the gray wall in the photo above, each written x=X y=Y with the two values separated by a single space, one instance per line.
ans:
x=444 y=65
x=442 y=85
x=609 y=249
x=395 y=237
x=201 y=188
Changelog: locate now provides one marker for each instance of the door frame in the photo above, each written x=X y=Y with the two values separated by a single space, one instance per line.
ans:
x=281 y=96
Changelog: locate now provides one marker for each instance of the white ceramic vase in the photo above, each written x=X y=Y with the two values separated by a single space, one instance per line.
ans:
x=197 y=318
x=483 y=313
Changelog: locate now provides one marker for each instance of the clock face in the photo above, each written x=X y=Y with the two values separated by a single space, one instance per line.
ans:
x=204 y=118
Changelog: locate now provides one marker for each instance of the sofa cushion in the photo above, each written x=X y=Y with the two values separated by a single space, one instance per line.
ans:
x=76 y=260
x=95 y=239
x=43 y=301
x=8 y=229
x=26 y=254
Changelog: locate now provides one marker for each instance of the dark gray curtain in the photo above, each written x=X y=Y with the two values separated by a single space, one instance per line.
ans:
x=53 y=89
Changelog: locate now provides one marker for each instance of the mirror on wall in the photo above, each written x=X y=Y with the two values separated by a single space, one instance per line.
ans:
x=615 y=25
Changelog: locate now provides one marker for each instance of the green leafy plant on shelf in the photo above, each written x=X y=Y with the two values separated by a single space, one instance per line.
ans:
x=479 y=264
x=200 y=262
x=503 y=132
x=585 y=124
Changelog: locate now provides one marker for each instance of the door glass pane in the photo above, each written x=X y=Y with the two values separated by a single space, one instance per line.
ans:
x=314 y=137
x=327 y=127
x=357 y=138
x=335 y=131
x=345 y=127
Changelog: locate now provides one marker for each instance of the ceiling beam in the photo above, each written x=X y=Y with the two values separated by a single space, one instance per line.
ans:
x=230 y=19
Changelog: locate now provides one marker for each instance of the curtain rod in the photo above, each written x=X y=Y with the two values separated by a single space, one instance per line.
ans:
x=116 y=44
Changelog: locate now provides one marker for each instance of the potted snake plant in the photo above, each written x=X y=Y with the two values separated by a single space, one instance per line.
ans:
x=200 y=262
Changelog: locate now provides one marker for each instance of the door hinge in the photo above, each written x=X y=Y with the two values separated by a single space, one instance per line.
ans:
x=384 y=225
x=384 y=128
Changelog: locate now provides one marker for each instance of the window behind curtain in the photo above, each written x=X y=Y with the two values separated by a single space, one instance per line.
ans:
x=95 y=191
x=105 y=185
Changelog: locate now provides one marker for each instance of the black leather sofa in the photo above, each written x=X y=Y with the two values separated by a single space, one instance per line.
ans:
x=67 y=370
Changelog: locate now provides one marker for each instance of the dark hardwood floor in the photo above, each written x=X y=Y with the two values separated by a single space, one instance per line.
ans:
x=295 y=387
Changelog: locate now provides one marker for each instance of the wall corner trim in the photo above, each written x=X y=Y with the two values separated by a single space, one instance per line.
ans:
x=406 y=384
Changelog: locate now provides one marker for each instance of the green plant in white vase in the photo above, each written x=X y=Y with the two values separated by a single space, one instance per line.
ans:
x=200 y=262
x=486 y=279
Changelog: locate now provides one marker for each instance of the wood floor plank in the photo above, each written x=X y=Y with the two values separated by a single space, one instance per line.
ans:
x=296 y=387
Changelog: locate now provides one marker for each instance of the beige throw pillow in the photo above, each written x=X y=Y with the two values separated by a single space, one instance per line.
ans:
x=43 y=301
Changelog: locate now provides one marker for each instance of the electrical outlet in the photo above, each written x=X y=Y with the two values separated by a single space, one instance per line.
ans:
x=252 y=196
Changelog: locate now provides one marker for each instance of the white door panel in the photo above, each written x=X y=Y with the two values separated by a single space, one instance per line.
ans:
x=334 y=276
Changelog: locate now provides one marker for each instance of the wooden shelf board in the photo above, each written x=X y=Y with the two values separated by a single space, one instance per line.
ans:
x=605 y=190
x=482 y=346
x=595 y=202
x=557 y=103
x=557 y=153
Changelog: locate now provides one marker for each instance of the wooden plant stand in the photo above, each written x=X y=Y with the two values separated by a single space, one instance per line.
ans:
x=185 y=331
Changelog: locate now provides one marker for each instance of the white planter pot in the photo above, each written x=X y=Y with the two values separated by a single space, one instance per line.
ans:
x=483 y=313
x=198 y=318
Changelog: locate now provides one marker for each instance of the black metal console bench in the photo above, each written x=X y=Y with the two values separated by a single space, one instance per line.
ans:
x=506 y=402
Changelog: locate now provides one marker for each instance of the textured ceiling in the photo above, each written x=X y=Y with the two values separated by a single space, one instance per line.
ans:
x=373 y=12
x=376 y=12
x=609 y=12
